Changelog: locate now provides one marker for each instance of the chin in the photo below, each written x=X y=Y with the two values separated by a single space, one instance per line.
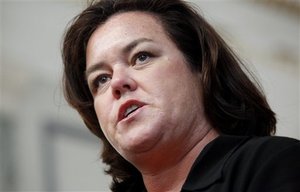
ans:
x=138 y=144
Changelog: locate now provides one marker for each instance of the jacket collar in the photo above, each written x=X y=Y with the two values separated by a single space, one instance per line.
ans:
x=208 y=167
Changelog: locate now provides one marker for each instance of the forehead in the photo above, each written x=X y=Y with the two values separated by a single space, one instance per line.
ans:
x=127 y=26
x=142 y=21
x=131 y=17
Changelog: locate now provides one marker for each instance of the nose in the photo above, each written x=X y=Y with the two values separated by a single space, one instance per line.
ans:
x=122 y=82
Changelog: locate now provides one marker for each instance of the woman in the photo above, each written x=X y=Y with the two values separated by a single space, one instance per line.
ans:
x=170 y=102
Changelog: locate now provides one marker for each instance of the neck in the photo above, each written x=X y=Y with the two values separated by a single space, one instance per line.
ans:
x=172 y=177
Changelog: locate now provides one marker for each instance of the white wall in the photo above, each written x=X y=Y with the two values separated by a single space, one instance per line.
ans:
x=46 y=156
x=32 y=100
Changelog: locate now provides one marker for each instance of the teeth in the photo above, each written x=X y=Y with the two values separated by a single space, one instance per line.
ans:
x=130 y=110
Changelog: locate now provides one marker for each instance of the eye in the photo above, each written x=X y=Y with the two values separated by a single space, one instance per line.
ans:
x=99 y=82
x=141 y=58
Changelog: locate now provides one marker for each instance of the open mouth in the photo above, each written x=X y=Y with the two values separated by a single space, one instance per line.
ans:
x=128 y=108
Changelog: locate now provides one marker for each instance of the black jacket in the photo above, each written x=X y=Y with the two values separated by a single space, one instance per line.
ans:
x=247 y=164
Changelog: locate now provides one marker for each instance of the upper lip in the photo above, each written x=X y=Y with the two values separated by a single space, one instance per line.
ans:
x=126 y=105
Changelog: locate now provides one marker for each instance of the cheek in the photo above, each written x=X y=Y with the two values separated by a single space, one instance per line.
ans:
x=105 y=114
x=102 y=117
x=180 y=86
x=172 y=79
x=100 y=106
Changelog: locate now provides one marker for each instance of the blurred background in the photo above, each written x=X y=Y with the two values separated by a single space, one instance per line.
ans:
x=44 y=146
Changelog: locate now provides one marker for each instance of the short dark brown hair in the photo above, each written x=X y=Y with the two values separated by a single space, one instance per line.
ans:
x=234 y=103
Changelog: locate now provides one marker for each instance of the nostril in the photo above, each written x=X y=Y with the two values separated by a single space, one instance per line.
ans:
x=117 y=93
x=126 y=86
x=121 y=83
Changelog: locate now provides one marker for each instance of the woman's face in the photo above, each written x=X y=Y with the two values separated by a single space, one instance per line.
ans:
x=145 y=96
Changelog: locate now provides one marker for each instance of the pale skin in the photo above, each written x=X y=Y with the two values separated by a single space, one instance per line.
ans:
x=131 y=62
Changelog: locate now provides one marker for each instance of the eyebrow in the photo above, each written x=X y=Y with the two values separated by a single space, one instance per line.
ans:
x=125 y=50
